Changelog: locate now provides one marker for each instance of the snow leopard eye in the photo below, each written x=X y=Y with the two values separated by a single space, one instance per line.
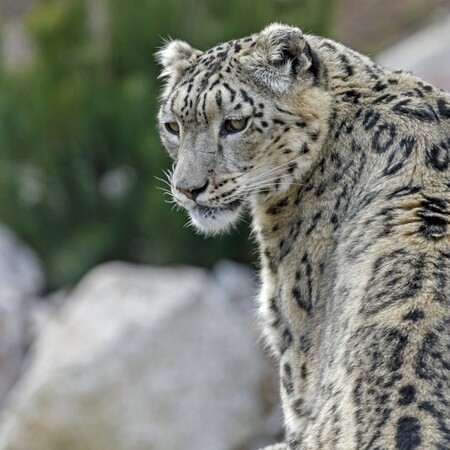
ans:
x=234 y=125
x=172 y=127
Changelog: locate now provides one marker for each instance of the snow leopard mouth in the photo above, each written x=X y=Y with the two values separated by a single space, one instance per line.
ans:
x=213 y=220
x=208 y=210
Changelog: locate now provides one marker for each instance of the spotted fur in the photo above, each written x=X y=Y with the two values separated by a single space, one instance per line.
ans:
x=344 y=167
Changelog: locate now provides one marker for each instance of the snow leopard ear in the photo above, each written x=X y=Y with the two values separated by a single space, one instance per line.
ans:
x=279 y=56
x=176 y=57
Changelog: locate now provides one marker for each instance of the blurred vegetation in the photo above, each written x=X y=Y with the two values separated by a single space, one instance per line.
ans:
x=79 y=148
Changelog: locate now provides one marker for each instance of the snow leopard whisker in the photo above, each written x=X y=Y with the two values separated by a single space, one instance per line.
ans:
x=273 y=169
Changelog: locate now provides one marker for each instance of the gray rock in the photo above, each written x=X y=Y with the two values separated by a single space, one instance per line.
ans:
x=20 y=269
x=21 y=279
x=140 y=358
x=426 y=53
x=238 y=282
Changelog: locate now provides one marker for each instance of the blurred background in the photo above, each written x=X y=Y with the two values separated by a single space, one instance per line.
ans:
x=80 y=160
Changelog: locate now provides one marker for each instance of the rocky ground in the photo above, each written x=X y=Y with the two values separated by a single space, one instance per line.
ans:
x=134 y=357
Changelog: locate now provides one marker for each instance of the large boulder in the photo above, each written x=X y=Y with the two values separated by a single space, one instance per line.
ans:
x=140 y=358
x=21 y=279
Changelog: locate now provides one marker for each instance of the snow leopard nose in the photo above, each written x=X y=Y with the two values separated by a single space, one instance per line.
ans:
x=192 y=192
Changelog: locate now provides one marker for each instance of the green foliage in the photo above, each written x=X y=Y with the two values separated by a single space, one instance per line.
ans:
x=79 y=149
